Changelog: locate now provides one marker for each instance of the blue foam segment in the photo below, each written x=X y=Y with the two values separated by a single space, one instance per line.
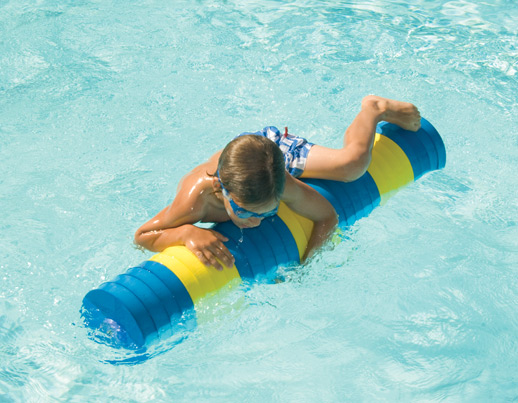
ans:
x=428 y=148
x=431 y=148
x=247 y=249
x=160 y=289
x=176 y=287
x=290 y=245
x=136 y=305
x=351 y=213
x=264 y=249
x=438 y=152
x=271 y=229
x=235 y=247
x=152 y=302
x=372 y=188
x=437 y=140
x=362 y=195
x=350 y=191
x=351 y=200
x=348 y=206
x=112 y=307
x=139 y=312
x=240 y=260
x=427 y=153
x=271 y=244
x=255 y=257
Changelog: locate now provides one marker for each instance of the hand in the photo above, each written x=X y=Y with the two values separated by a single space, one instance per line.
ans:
x=207 y=245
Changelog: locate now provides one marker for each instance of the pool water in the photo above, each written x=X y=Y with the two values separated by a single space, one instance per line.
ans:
x=104 y=106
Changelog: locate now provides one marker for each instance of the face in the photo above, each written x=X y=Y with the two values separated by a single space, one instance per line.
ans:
x=246 y=216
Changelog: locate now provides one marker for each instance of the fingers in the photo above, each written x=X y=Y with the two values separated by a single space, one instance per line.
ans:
x=201 y=256
x=221 y=252
x=212 y=261
x=220 y=236
x=210 y=256
x=209 y=249
x=208 y=259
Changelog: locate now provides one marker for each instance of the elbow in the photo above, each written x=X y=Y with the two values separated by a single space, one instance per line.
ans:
x=357 y=170
x=356 y=166
x=330 y=222
x=140 y=239
x=334 y=220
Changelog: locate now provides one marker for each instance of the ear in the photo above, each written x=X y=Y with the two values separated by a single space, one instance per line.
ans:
x=216 y=186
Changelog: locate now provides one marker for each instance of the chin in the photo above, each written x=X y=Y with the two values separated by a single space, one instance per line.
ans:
x=244 y=225
x=239 y=224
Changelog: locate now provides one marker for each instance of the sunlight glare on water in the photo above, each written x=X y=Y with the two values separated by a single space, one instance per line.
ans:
x=104 y=107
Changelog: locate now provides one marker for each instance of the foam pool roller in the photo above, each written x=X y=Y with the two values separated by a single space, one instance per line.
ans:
x=152 y=300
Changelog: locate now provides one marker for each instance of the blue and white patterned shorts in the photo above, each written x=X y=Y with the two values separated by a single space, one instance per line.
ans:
x=294 y=148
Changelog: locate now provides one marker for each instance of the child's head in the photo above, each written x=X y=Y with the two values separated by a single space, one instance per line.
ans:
x=251 y=168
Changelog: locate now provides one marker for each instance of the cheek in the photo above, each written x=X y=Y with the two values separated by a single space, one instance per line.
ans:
x=229 y=211
x=236 y=220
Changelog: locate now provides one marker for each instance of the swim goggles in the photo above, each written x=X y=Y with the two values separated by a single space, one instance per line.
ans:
x=240 y=212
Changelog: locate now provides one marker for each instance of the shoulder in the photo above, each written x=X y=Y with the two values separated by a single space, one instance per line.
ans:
x=195 y=190
x=291 y=188
x=199 y=177
x=295 y=190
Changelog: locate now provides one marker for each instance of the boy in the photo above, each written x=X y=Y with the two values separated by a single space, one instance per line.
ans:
x=256 y=171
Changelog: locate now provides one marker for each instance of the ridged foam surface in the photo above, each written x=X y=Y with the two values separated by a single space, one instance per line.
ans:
x=149 y=300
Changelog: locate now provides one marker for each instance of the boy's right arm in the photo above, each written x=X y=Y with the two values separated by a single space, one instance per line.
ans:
x=173 y=226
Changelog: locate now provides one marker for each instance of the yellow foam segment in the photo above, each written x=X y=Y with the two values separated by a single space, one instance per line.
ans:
x=307 y=226
x=210 y=309
x=198 y=279
x=186 y=277
x=218 y=277
x=300 y=227
x=390 y=167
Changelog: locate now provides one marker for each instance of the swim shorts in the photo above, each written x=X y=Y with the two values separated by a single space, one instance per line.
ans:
x=294 y=148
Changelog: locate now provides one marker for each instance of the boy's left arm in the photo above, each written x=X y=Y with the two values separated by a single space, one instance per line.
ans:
x=307 y=202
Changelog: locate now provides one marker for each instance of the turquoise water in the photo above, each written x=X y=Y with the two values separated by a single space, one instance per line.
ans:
x=105 y=105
